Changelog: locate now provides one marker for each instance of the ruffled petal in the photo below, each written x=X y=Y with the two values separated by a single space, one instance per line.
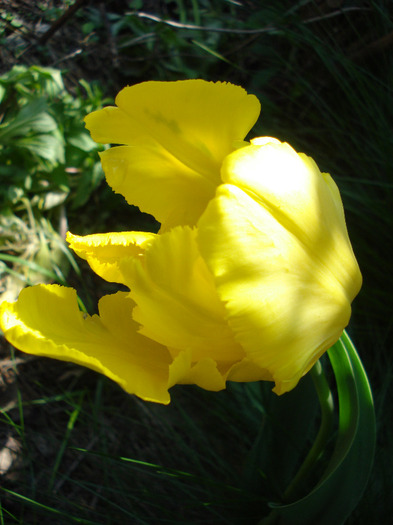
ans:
x=179 y=133
x=177 y=304
x=275 y=248
x=46 y=321
x=158 y=183
x=194 y=120
x=104 y=251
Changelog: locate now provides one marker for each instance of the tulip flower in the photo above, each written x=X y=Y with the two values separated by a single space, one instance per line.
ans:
x=251 y=276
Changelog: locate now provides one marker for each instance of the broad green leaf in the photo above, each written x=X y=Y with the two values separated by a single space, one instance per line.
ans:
x=14 y=75
x=82 y=141
x=50 y=80
x=337 y=493
x=284 y=436
x=2 y=93
x=33 y=117
x=35 y=80
x=45 y=146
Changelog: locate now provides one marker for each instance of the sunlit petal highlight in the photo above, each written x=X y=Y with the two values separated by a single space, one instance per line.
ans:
x=105 y=251
x=273 y=246
x=177 y=303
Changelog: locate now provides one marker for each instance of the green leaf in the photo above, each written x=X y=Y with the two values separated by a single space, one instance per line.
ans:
x=82 y=141
x=51 y=199
x=50 y=80
x=14 y=194
x=87 y=183
x=283 y=438
x=337 y=493
x=45 y=146
x=33 y=117
x=2 y=93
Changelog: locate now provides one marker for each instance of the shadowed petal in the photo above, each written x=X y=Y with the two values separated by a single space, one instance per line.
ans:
x=158 y=183
x=177 y=303
x=246 y=370
x=210 y=375
x=203 y=373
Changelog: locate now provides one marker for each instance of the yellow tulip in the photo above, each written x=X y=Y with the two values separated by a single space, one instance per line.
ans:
x=251 y=276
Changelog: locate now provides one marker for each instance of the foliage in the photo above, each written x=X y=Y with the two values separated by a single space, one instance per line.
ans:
x=47 y=156
x=48 y=163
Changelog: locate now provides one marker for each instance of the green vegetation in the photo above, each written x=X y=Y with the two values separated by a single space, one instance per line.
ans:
x=48 y=164
x=74 y=448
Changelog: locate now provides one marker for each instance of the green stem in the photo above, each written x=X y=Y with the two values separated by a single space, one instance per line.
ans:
x=327 y=421
x=326 y=403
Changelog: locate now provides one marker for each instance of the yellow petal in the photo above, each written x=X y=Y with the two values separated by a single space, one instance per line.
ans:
x=46 y=321
x=281 y=258
x=203 y=373
x=158 y=183
x=179 y=133
x=177 y=304
x=210 y=375
x=112 y=125
x=104 y=251
x=303 y=200
x=246 y=371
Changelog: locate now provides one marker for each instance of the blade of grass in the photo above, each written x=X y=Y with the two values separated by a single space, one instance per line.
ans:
x=70 y=426
x=37 y=505
x=30 y=264
x=212 y=52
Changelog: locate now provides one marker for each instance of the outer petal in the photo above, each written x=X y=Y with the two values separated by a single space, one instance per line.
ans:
x=209 y=375
x=179 y=132
x=158 y=183
x=177 y=303
x=281 y=258
x=303 y=200
x=246 y=370
x=104 y=251
x=203 y=373
x=46 y=321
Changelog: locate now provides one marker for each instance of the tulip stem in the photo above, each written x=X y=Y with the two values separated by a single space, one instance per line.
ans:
x=326 y=402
